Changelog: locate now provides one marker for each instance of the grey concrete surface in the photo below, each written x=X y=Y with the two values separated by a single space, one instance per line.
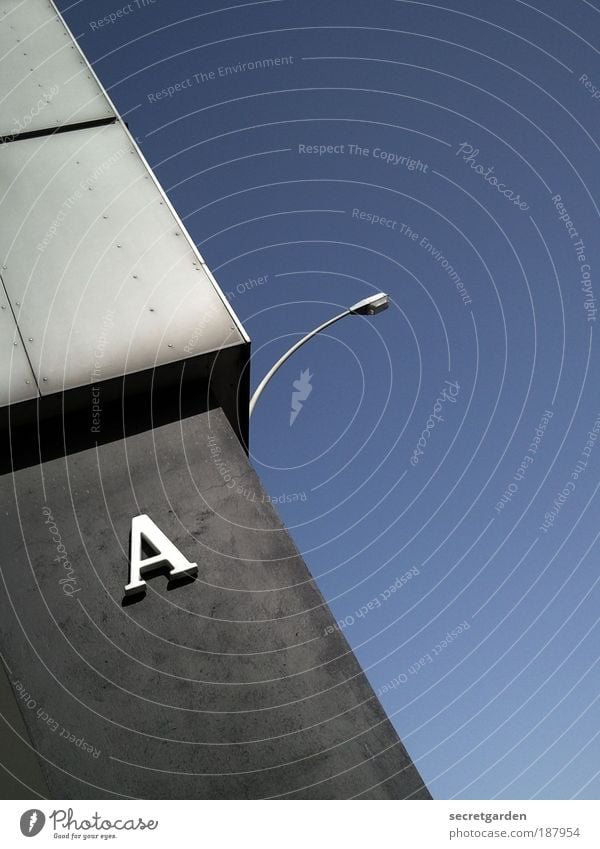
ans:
x=223 y=686
x=20 y=769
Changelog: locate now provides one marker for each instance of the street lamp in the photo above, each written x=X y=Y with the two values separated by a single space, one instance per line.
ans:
x=368 y=306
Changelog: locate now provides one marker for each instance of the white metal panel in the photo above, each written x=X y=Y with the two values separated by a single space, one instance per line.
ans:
x=16 y=379
x=102 y=278
x=45 y=81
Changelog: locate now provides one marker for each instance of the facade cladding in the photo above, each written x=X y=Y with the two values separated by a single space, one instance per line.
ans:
x=124 y=393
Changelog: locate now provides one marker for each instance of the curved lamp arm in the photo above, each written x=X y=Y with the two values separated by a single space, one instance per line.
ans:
x=288 y=354
x=369 y=306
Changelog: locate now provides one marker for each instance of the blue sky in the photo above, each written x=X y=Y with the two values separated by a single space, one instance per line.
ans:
x=303 y=144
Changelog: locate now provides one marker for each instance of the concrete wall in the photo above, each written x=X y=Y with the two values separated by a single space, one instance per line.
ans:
x=223 y=686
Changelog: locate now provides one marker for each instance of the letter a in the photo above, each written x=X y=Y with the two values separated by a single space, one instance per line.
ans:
x=144 y=529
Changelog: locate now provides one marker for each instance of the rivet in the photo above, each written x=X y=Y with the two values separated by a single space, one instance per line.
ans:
x=170 y=346
x=31 y=338
x=26 y=381
x=118 y=246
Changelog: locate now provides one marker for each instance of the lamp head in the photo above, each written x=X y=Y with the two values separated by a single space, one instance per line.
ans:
x=371 y=305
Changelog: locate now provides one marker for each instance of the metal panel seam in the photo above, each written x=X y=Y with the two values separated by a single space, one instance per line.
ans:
x=29 y=363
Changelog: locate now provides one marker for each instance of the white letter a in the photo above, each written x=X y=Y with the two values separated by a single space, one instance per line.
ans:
x=144 y=529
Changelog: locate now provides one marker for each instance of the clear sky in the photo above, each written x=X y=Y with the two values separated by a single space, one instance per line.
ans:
x=441 y=475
